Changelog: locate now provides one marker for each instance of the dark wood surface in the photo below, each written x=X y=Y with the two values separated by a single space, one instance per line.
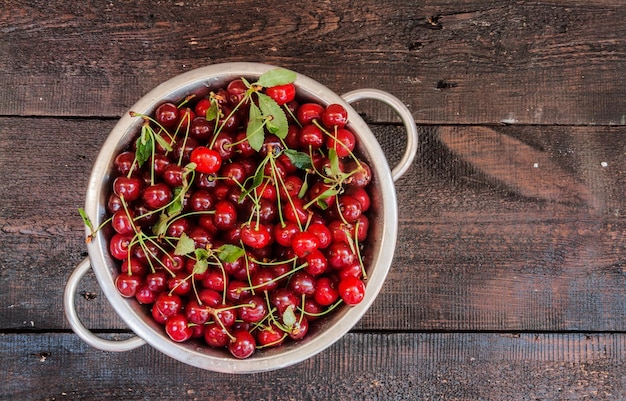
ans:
x=508 y=281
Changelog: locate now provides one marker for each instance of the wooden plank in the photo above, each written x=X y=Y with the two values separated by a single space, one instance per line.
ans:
x=474 y=253
x=467 y=62
x=361 y=366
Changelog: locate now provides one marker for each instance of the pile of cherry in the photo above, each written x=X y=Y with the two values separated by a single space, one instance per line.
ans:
x=239 y=218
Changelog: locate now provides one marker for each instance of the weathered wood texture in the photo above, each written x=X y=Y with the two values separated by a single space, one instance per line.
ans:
x=452 y=367
x=508 y=281
x=470 y=61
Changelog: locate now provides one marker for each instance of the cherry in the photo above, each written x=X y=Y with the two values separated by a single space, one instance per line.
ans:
x=326 y=292
x=308 y=112
x=283 y=234
x=270 y=336
x=335 y=115
x=311 y=136
x=243 y=345
x=177 y=328
x=201 y=129
x=167 y=115
x=122 y=222
x=349 y=208
x=256 y=235
x=304 y=242
x=127 y=285
x=225 y=216
x=201 y=108
x=300 y=328
x=343 y=141
x=316 y=262
x=125 y=162
x=236 y=91
x=127 y=188
x=197 y=313
x=215 y=336
x=201 y=200
x=282 y=93
x=340 y=255
x=323 y=234
x=119 y=245
x=302 y=283
x=157 y=196
x=225 y=314
x=207 y=160
x=145 y=295
x=173 y=175
x=156 y=281
x=254 y=310
x=283 y=298
x=133 y=267
x=180 y=284
x=168 y=305
x=351 y=290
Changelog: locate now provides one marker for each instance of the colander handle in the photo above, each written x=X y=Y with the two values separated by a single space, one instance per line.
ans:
x=405 y=116
x=78 y=327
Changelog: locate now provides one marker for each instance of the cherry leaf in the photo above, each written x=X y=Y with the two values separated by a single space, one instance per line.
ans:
x=144 y=145
x=184 y=245
x=276 y=119
x=200 y=266
x=255 y=132
x=160 y=228
x=300 y=160
x=163 y=143
x=229 y=253
x=334 y=162
x=176 y=205
x=213 y=112
x=289 y=317
x=86 y=219
x=277 y=76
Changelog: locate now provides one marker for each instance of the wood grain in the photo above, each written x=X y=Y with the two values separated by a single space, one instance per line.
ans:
x=361 y=366
x=481 y=62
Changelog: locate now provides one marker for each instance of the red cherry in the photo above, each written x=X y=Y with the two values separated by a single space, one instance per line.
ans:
x=326 y=292
x=167 y=115
x=177 y=328
x=304 y=242
x=128 y=188
x=351 y=290
x=343 y=141
x=270 y=336
x=207 y=160
x=119 y=245
x=307 y=112
x=256 y=235
x=122 y=222
x=127 y=285
x=335 y=115
x=282 y=93
x=243 y=345
x=157 y=196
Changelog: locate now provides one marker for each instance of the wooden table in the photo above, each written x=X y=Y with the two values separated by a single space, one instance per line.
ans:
x=508 y=281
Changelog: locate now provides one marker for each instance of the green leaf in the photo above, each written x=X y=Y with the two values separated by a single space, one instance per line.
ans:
x=163 y=143
x=229 y=253
x=160 y=228
x=277 y=122
x=255 y=132
x=289 y=317
x=334 y=162
x=176 y=205
x=85 y=218
x=185 y=245
x=144 y=145
x=200 y=266
x=256 y=182
x=213 y=112
x=300 y=160
x=277 y=76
